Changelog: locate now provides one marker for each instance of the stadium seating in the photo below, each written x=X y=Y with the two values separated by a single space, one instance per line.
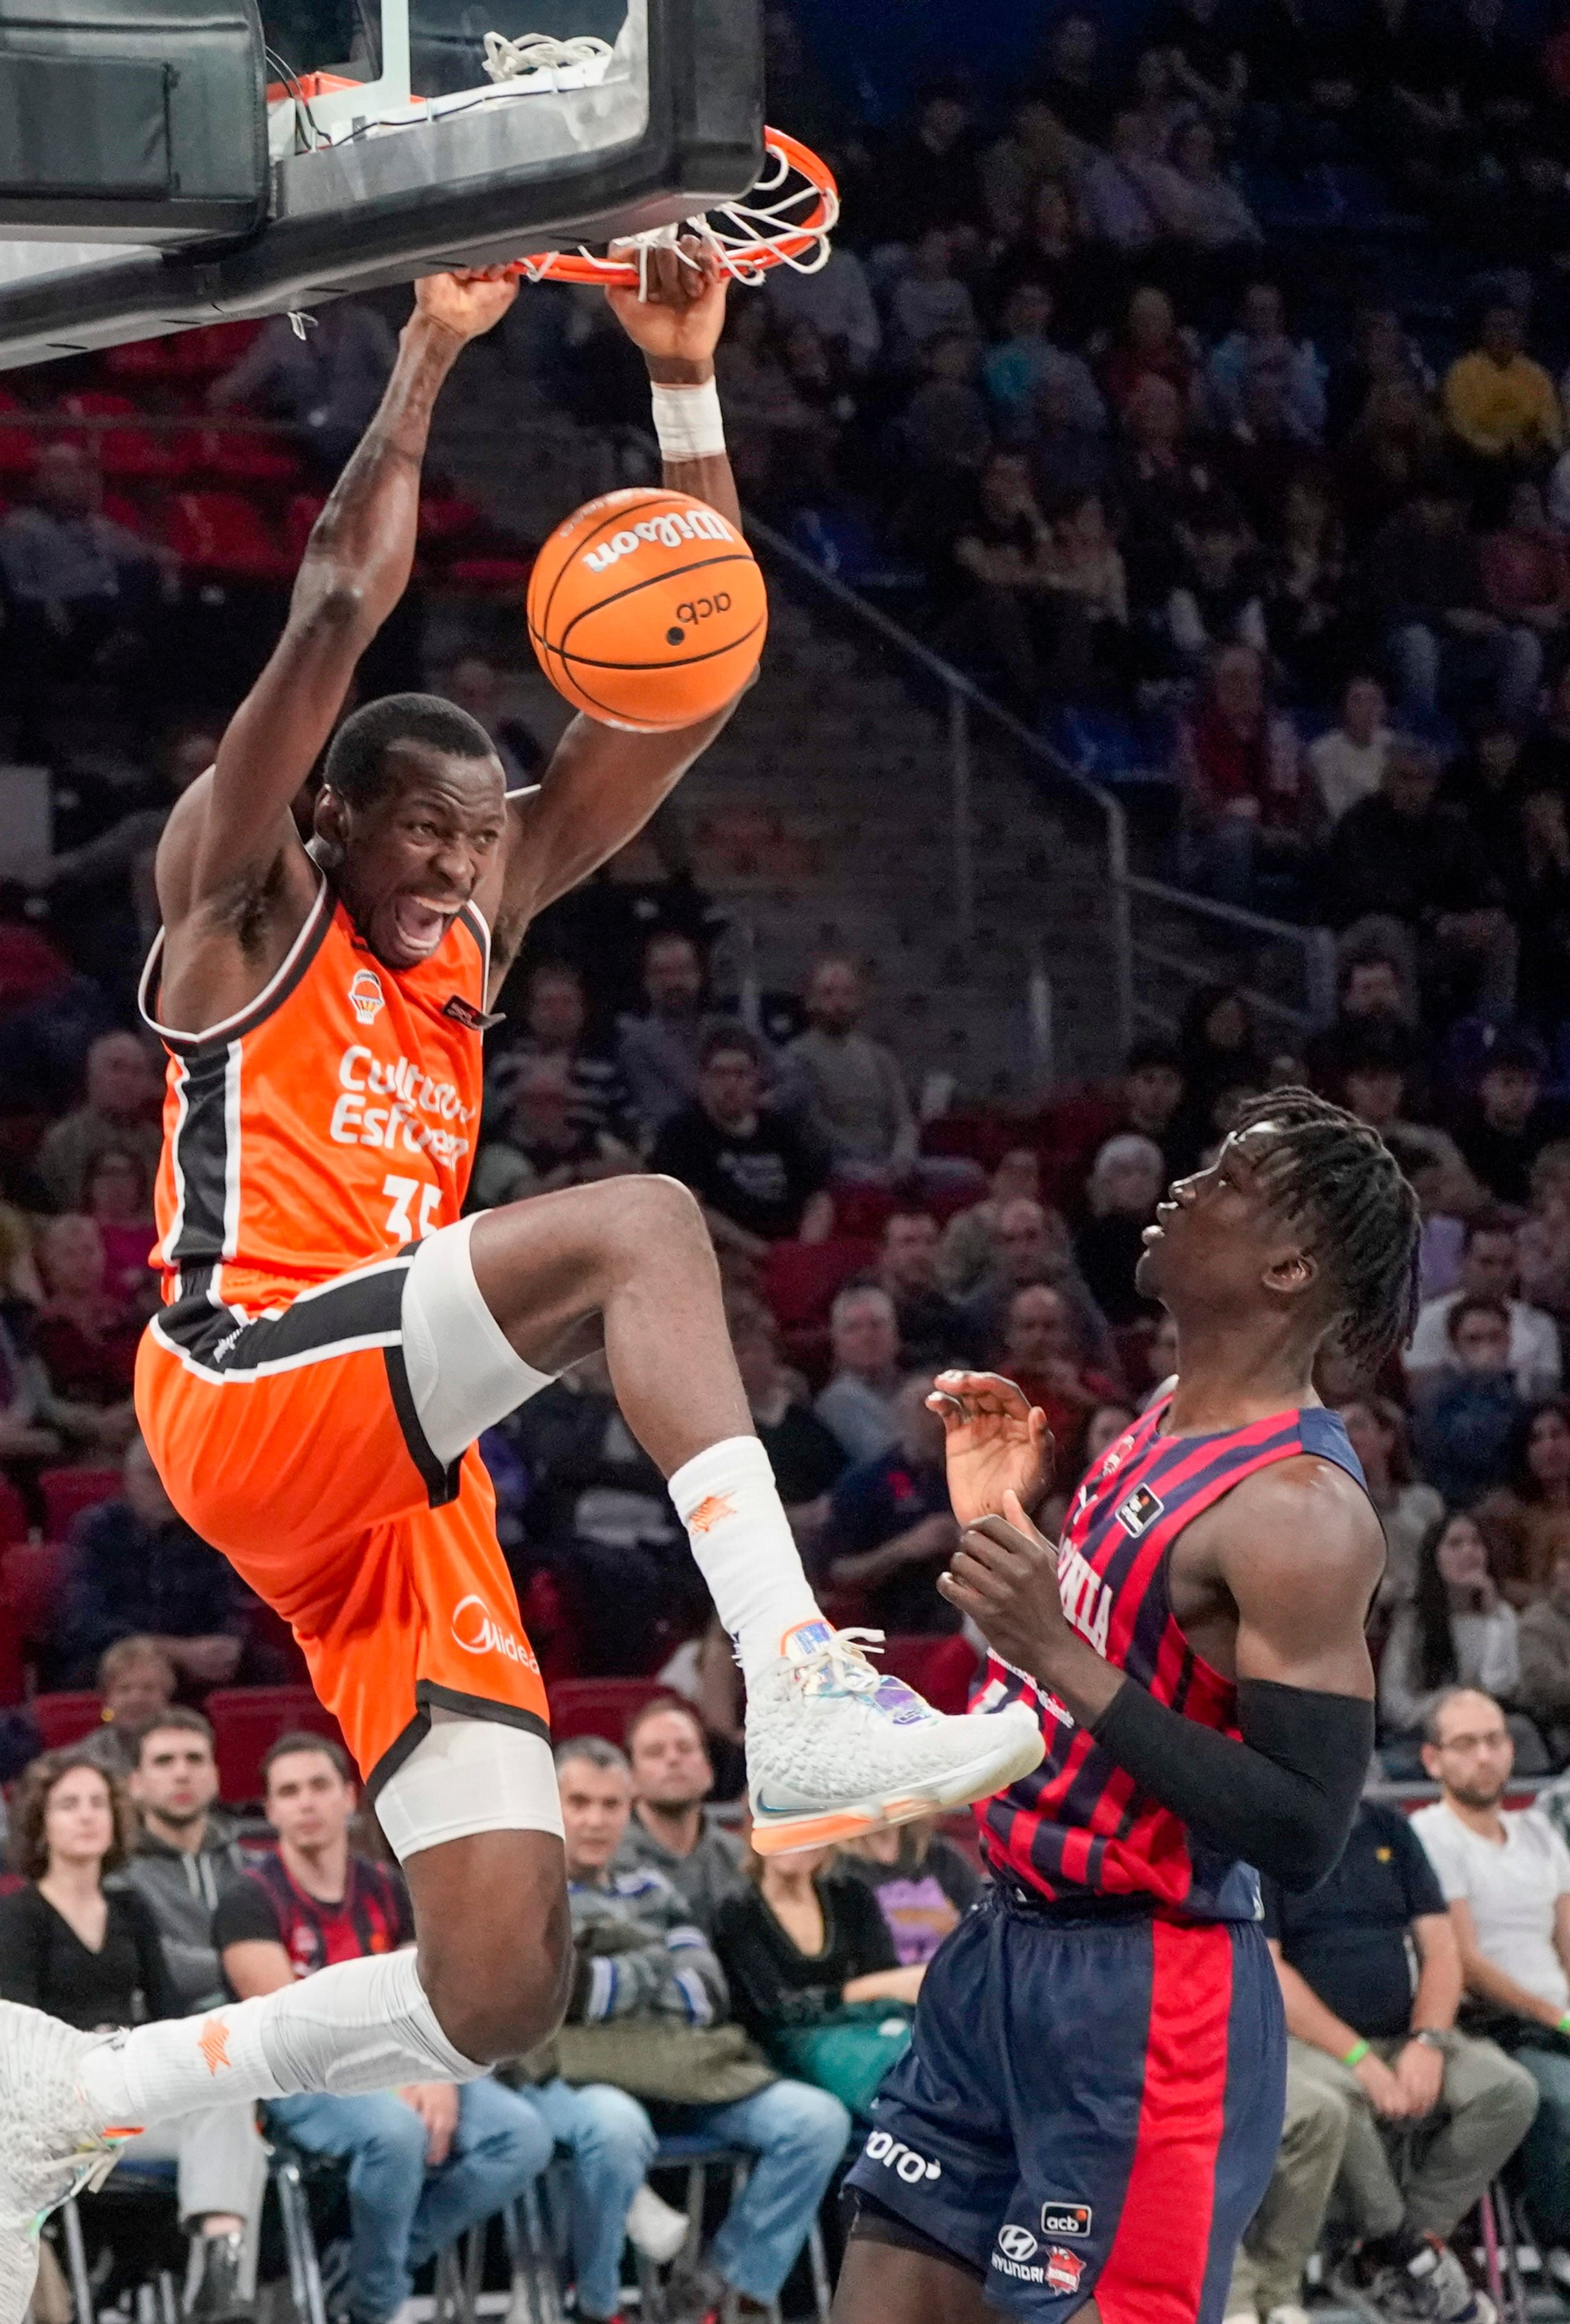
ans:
x=66 y=1492
x=62 y=1718
x=33 y=1576
x=13 y=1674
x=247 y=1719
x=599 y=1706
x=224 y=534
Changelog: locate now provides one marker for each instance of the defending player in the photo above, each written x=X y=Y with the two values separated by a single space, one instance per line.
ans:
x=336 y=1336
x=1091 y=2107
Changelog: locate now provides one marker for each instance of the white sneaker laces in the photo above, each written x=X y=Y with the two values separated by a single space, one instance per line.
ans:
x=840 y=1664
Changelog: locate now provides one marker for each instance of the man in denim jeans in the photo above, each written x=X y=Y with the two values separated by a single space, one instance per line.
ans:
x=642 y=1961
x=426 y=2161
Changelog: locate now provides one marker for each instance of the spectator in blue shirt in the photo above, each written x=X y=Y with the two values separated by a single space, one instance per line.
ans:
x=891 y=1529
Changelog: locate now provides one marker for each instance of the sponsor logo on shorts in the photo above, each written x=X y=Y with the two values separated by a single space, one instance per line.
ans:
x=475 y=1629
x=1065 y=2218
x=366 y=995
x=903 y=2160
x=1064 y=2269
x=1016 y=2242
x=1140 y=1511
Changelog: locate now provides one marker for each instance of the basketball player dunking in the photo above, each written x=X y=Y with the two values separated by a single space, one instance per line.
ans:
x=1090 y=2109
x=334 y=1335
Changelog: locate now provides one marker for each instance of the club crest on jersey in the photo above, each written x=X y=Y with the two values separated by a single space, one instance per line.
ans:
x=366 y=995
x=1140 y=1511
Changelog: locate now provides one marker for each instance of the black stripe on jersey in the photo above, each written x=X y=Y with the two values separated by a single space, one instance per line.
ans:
x=201 y=1158
x=312 y=936
x=441 y=1480
x=317 y=1325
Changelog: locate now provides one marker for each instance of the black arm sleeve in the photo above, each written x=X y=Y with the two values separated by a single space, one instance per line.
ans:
x=1283 y=1798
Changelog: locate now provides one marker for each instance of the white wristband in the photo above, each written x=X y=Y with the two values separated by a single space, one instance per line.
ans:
x=688 y=421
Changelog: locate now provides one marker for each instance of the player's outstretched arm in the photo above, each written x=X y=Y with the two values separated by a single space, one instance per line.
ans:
x=603 y=784
x=228 y=835
x=1297 y=1551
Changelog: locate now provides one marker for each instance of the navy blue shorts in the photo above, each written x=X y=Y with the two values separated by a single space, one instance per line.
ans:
x=1090 y=2105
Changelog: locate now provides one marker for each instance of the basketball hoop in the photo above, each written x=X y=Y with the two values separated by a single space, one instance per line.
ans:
x=785 y=221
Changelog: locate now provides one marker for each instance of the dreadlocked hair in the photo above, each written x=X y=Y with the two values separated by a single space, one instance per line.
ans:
x=1330 y=1171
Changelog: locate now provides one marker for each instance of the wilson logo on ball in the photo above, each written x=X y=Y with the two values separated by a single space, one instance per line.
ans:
x=647 y=610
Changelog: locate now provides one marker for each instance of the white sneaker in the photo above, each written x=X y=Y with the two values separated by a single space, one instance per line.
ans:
x=50 y=2146
x=834 y=1748
x=653 y=2227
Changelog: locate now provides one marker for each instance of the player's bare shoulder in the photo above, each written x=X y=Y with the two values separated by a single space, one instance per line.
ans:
x=1304 y=1518
x=223 y=938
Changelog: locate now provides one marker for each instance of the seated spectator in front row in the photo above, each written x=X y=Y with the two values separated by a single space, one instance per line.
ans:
x=138 y=1569
x=754 y=1173
x=803 y=1946
x=424 y=2163
x=91 y=1955
x=1466 y=1421
x=186 y=1856
x=1456 y=1631
x=649 y=2002
x=859 y=1402
x=1373 y=2057
x=1490 y=1269
x=891 y=1529
x=1505 y=1874
x=932 y=1328
x=670 y=1831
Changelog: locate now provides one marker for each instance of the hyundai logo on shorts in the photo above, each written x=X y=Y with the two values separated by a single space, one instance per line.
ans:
x=1016 y=2242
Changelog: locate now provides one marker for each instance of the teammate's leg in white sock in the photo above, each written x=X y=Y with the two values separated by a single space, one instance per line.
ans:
x=363 y=2025
x=727 y=1497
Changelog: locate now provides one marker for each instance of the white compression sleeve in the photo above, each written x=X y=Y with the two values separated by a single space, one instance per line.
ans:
x=363 y=2025
x=727 y=1497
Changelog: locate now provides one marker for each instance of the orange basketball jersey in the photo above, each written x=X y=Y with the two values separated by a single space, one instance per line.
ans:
x=328 y=1124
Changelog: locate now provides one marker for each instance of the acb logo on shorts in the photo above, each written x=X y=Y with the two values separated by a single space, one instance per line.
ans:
x=1066 y=2218
x=366 y=995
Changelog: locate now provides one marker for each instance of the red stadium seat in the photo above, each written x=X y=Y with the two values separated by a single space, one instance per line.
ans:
x=304 y=510
x=13 y=1513
x=942 y=1669
x=862 y=1210
x=503 y=576
x=33 y=1576
x=800 y=1278
x=66 y=1492
x=210 y=350
x=599 y=1706
x=16 y=443
x=247 y=1719
x=446 y=517
x=224 y=533
x=244 y=456
x=13 y=1674
x=62 y=1718
x=146 y=359
x=134 y=451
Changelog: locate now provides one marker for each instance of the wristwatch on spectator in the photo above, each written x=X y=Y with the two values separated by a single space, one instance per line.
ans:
x=1428 y=2038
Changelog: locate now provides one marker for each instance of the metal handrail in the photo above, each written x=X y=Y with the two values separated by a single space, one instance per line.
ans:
x=1317 y=945
x=962 y=696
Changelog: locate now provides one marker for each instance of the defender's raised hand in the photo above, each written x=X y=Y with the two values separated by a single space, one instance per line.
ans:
x=995 y=1443
x=678 y=318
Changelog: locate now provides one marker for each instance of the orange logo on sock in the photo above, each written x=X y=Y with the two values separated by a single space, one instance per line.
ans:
x=710 y=1512
x=214 y=2043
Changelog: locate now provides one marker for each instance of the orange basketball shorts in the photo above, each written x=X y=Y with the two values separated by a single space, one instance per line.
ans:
x=291 y=1443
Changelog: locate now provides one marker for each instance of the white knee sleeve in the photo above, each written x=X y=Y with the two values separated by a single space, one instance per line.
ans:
x=464 y=1373
x=469 y=1776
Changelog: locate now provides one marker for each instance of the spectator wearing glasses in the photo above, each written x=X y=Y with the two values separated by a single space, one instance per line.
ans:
x=1505 y=1874
x=1370 y=1978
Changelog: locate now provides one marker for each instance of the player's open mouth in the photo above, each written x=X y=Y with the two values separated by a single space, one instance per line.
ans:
x=420 y=926
x=1164 y=1211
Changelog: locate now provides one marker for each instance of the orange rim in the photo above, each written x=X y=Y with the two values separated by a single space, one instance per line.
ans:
x=742 y=244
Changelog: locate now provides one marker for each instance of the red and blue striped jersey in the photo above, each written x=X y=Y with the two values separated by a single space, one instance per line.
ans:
x=1080 y=1823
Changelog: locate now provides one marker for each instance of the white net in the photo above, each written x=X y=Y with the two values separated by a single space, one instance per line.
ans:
x=537 y=58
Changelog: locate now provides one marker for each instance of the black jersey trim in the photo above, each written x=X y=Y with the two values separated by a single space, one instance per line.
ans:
x=222 y=1343
x=441 y=1478
x=284 y=980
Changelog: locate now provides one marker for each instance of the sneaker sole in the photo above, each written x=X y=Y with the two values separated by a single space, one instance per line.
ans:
x=775 y=1834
